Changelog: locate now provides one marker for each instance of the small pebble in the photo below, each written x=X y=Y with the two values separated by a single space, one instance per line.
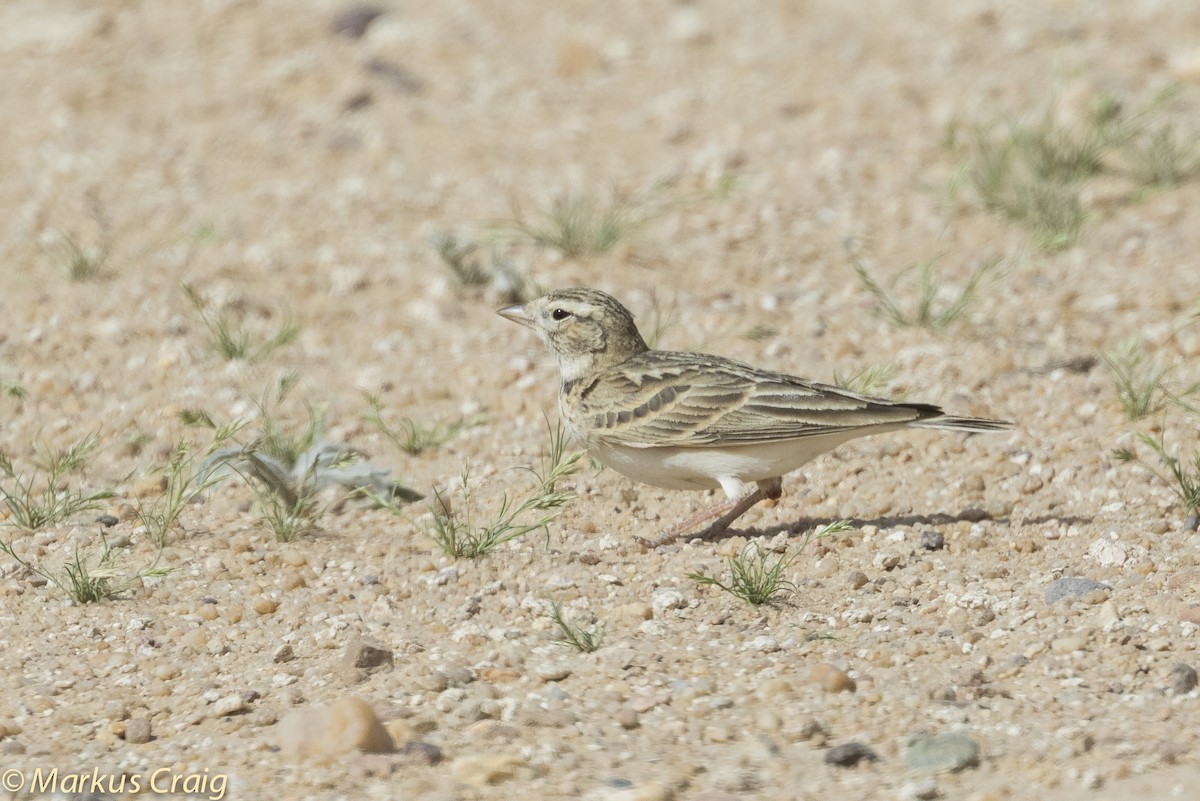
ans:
x=367 y=654
x=831 y=679
x=847 y=755
x=419 y=752
x=264 y=605
x=627 y=718
x=948 y=752
x=137 y=730
x=1072 y=588
x=327 y=732
x=932 y=540
x=354 y=20
x=229 y=705
x=149 y=487
x=484 y=770
x=665 y=599
x=551 y=672
x=1183 y=679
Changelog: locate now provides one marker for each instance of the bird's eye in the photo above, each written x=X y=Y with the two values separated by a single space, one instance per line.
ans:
x=560 y=314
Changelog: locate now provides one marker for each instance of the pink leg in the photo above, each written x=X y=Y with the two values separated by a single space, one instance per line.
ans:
x=729 y=511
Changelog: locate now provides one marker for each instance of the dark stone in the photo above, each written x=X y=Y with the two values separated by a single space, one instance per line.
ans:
x=419 y=752
x=367 y=654
x=1072 y=588
x=394 y=75
x=353 y=21
x=847 y=755
x=1183 y=679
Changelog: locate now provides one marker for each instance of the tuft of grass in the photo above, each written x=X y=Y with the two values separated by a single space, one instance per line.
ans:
x=663 y=317
x=41 y=498
x=928 y=310
x=572 y=635
x=865 y=380
x=580 y=225
x=761 y=333
x=1182 y=475
x=81 y=264
x=412 y=437
x=281 y=441
x=1139 y=384
x=229 y=336
x=1034 y=171
x=758 y=579
x=456 y=531
x=86 y=580
x=461 y=257
x=13 y=390
x=290 y=508
x=1163 y=158
x=288 y=465
x=188 y=474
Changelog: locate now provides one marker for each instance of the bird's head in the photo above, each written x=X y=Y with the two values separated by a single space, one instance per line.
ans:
x=586 y=329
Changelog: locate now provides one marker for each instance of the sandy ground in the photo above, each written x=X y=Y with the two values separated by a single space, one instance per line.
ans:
x=283 y=169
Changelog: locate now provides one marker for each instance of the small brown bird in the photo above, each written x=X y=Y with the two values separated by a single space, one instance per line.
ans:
x=694 y=421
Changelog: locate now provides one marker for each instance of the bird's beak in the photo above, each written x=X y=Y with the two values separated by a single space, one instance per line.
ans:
x=517 y=314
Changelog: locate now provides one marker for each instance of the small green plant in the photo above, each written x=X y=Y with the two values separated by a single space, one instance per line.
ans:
x=455 y=531
x=761 y=333
x=461 y=257
x=572 y=635
x=663 y=317
x=412 y=437
x=580 y=225
x=758 y=579
x=282 y=441
x=81 y=264
x=1181 y=475
x=287 y=466
x=753 y=577
x=230 y=338
x=1034 y=172
x=1163 y=158
x=13 y=390
x=289 y=508
x=36 y=500
x=929 y=310
x=187 y=476
x=86 y=580
x=865 y=380
x=1139 y=385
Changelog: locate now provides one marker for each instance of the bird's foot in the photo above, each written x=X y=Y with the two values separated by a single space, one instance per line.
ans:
x=728 y=511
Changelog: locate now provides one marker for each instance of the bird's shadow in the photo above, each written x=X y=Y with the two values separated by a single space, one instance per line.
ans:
x=804 y=525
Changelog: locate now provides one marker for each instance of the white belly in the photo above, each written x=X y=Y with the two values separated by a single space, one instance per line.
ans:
x=704 y=468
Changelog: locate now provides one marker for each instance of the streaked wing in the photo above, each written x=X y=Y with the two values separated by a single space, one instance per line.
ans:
x=684 y=399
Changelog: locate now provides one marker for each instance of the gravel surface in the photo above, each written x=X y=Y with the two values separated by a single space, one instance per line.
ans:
x=1009 y=616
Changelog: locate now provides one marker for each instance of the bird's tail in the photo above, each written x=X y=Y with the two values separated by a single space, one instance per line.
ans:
x=970 y=424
